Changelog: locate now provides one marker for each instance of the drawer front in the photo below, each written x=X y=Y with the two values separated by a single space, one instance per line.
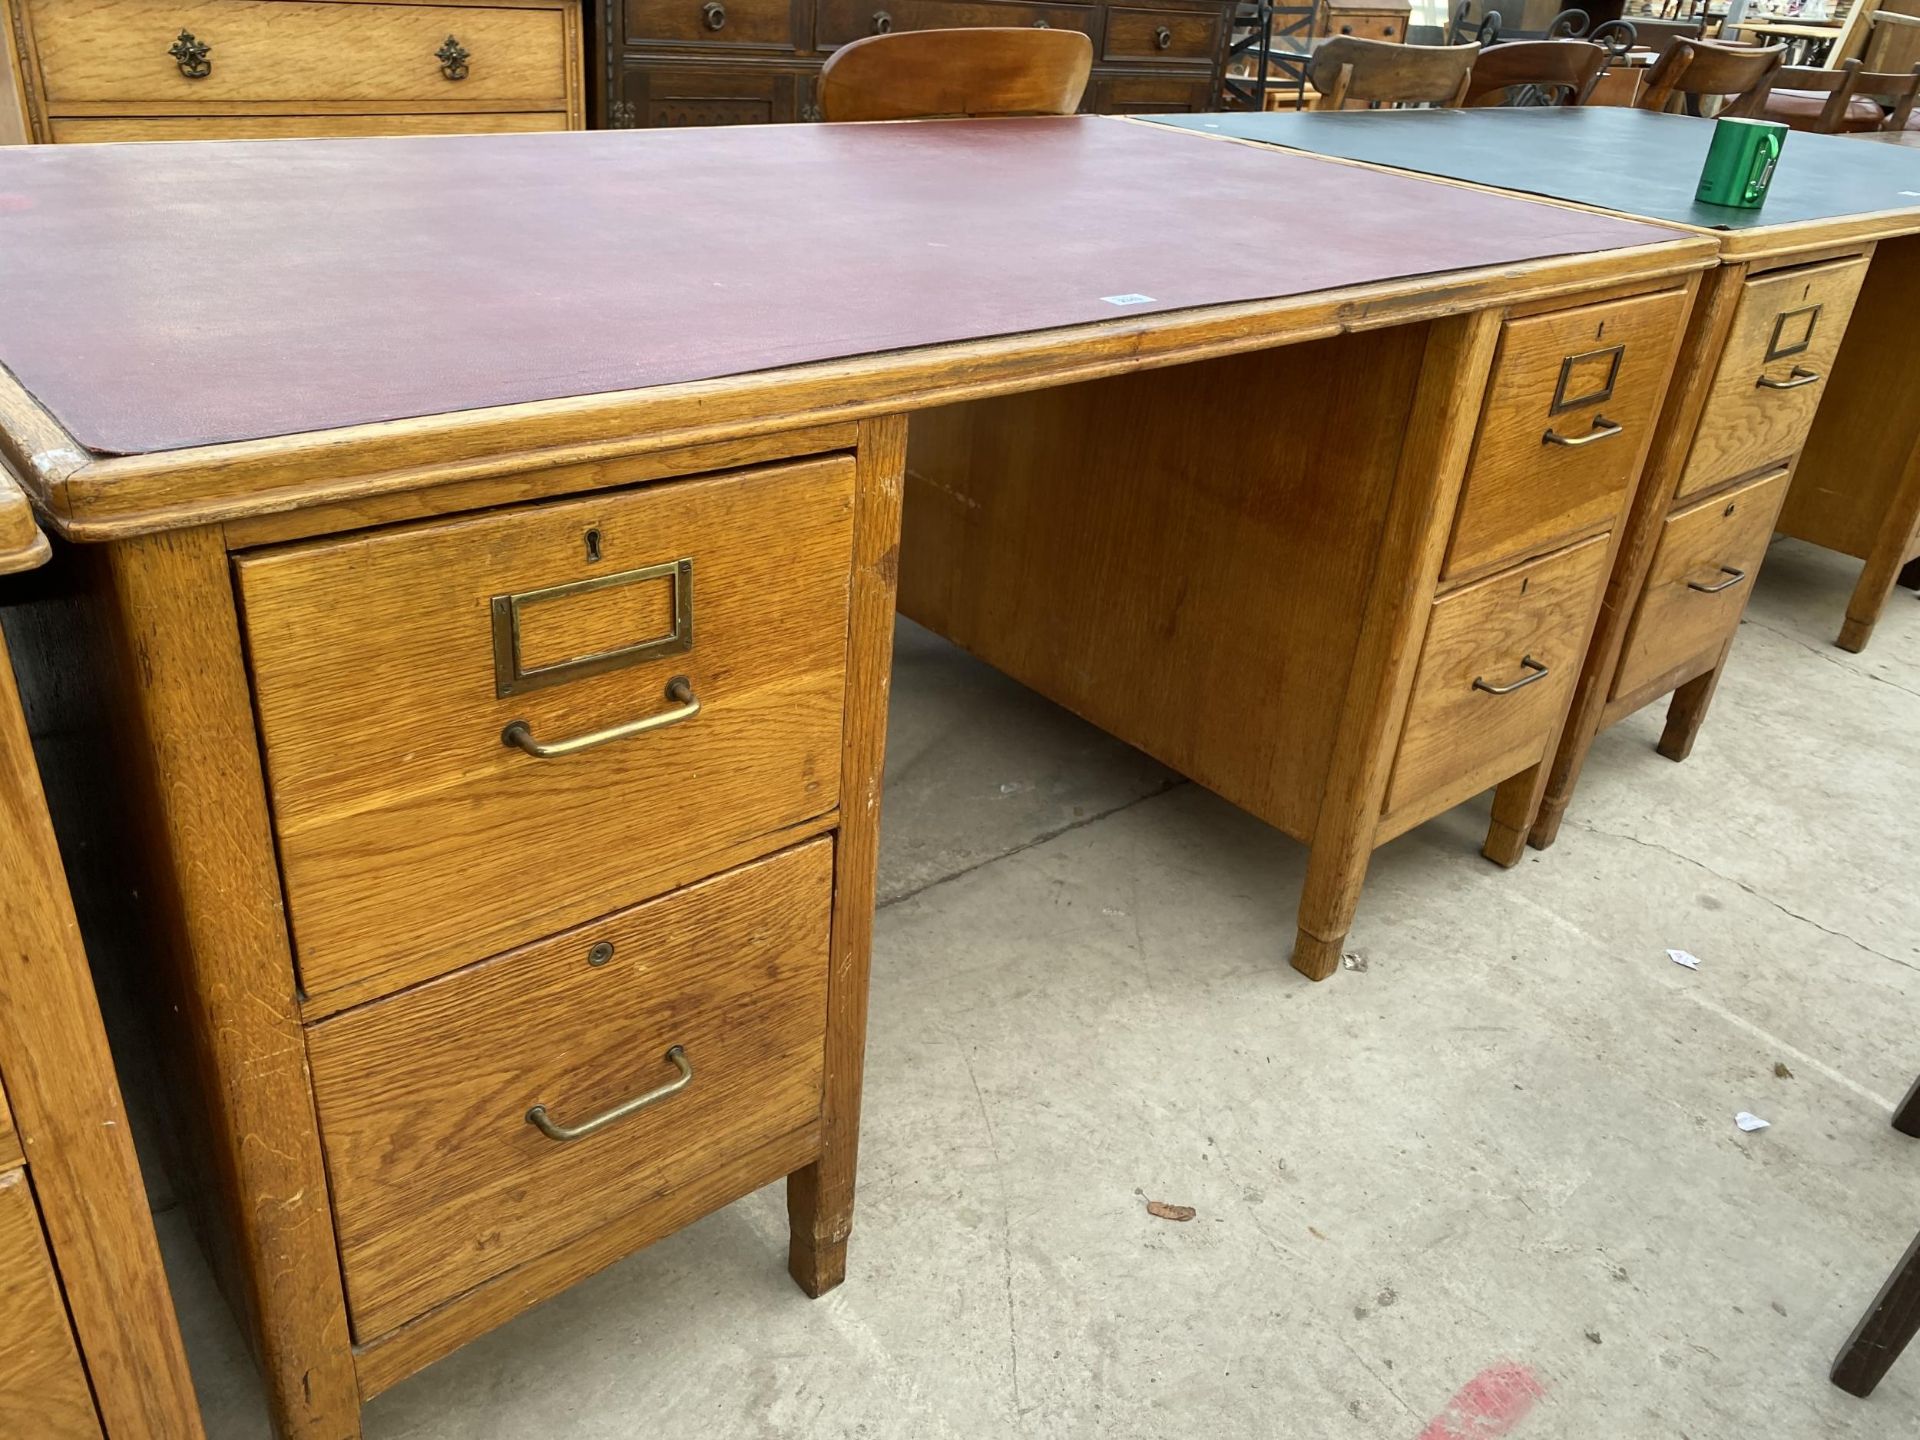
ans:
x=838 y=22
x=1524 y=632
x=1698 y=584
x=768 y=24
x=1369 y=26
x=292 y=50
x=1786 y=330
x=417 y=835
x=668 y=95
x=1569 y=408
x=298 y=127
x=1143 y=35
x=43 y=1389
x=1148 y=95
x=440 y=1180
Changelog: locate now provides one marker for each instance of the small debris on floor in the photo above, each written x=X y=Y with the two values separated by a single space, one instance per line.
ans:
x=1594 y=1336
x=1682 y=957
x=1780 y=1069
x=1161 y=1210
x=1748 y=1121
x=1353 y=960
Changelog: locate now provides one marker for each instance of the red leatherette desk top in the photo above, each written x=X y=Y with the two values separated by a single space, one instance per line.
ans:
x=159 y=296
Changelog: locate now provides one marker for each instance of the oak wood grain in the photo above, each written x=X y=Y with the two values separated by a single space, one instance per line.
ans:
x=43 y=1386
x=89 y=130
x=10 y=1152
x=413 y=840
x=22 y=545
x=439 y=1180
x=820 y=1196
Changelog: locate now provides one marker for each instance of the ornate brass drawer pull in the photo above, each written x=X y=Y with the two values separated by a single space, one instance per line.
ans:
x=191 y=56
x=553 y=1130
x=679 y=689
x=1603 y=429
x=1538 y=673
x=453 y=59
x=1735 y=577
x=882 y=23
x=1797 y=377
x=1162 y=38
x=713 y=15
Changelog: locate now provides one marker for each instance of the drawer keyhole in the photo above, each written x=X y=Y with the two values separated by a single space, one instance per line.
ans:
x=593 y=545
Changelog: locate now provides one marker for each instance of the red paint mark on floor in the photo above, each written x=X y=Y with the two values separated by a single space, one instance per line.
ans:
x=1487 y=1406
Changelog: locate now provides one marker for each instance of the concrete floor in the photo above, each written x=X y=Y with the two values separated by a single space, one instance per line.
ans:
x=1491 y=1184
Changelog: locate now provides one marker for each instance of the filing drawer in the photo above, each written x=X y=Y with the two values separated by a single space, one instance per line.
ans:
x=43 y=1388
x=1523 y=631
x=1570 y=405
x=440 y=1179
x=1787 y=328
x=711 y=22
x=1370 y=25
x=290 y=50
x=416 y=834
x=1698 y=584
x=1148 y=95
x=1141 y=35
x=838 y=22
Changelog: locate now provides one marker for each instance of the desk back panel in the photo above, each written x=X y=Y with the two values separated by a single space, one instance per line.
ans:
x=168 y=296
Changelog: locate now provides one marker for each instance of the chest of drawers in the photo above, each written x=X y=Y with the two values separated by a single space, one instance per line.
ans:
x=734 y=62
x=89 y=70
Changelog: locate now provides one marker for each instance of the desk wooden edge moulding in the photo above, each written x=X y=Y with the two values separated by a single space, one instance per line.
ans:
x=182 y=716
x=124 y=1371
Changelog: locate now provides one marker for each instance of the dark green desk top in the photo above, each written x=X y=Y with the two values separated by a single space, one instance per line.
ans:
x=1635 y=161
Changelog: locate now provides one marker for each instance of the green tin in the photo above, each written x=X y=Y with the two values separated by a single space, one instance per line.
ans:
x=1740 y=162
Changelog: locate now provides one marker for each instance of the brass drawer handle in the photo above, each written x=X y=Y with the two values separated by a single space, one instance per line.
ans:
x=191 y=56
x=1734 y=578
x=453 y=59
x=1163 y=38
x=1538 y=673
x=882 y=23
x=1797 y=377
x=679 y=689
x=547 y=1126
x=1603 y=429
x=713 y=15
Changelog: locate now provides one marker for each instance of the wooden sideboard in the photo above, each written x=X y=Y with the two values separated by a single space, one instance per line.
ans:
x=81 y=70
x=735 y=62
x=88 y=1342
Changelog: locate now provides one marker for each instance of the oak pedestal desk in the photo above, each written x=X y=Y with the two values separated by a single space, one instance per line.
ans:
x=88 y=1342
x=1795 y=409
x=498 y=653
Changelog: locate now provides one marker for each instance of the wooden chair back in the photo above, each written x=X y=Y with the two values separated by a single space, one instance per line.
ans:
x=928 y=74
x=1897 y=92
x=1348 y=69
x=1568 y=69
x=1819 y=100
x=1694 y=68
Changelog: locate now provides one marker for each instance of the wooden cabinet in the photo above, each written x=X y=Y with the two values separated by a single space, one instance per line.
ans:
x=90 y=70
x=1367 y=19
x=733 y=62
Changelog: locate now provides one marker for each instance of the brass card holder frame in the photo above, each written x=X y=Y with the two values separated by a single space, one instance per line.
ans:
x=511 y=677
x=1777 y=351
x=1563 y=402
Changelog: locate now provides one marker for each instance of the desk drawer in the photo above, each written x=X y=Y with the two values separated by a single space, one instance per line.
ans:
x=1569 y=408
x=43 y=1389
x=440 y=1179
x=294 y=50
x=767 y=23
x=1523 y=631
x=1145 y=35
x=417 y=834
x=1698 y=584
x=839 y=22
x=89 y=130
x=1786 y=330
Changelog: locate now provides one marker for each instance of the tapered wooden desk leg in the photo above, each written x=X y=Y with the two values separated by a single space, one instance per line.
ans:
x=820 y=1197
x=1687 y=712
x=1886 y=562
x=1883 y=1332
x=1907 y=1118
x=1515 y=804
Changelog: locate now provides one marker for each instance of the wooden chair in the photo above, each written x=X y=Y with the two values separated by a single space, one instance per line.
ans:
x=1347 y=69
x=925 y=74
x=1844 y=100
x=1694 y=68
x=1566 y=70
x=1894 y=1316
